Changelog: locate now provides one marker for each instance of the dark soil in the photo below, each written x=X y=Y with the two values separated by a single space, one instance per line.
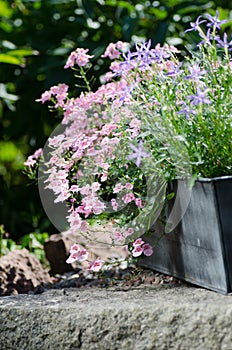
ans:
x=123 y=278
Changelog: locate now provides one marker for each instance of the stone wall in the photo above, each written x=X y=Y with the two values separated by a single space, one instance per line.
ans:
x=143 y=318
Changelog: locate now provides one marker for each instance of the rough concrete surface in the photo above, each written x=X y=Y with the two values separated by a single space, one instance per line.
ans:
x=143 y=318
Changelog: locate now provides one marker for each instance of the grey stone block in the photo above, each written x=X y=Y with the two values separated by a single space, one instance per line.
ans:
x=144 y=318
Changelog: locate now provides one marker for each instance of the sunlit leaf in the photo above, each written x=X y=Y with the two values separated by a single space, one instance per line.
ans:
x=5 y=10
x=8 y=151
x=5 y=58
x=23 y=52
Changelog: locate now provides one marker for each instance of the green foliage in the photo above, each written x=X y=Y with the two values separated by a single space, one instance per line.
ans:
x=35 y=39
x=8 y=245
x=33 y=242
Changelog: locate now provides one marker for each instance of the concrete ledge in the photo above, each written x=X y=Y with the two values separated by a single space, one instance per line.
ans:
x=143 y=318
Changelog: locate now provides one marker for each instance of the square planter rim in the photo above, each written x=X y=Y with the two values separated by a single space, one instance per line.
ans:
x=214 y=179
x=205 y=179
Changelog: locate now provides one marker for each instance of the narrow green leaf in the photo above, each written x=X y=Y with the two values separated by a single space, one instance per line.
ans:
x=22 y=52
x=5 y=58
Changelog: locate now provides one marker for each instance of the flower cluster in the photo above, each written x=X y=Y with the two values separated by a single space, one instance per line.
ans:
x=140 y=247
x=31 y=160
x=155 y=117
x=81 y=255
x=79 y=57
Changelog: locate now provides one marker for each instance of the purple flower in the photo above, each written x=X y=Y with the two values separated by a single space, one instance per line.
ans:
x=160 y=54
x=144 y=54
x=206 y=38
x=138 y=153
x=126 y=92
x=174 y=70
x=224 y=43
x=214 y=21
x=195 y=72
x=186 y=110
x=196 y=25
x=124 y=66
x=199 y=98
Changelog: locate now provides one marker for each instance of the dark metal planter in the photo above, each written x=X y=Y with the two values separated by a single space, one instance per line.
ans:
x=199 y=249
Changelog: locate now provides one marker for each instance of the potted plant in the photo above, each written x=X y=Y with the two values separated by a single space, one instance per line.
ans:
x=156 y=120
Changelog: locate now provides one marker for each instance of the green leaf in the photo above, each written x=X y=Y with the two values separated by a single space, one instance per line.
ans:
x=22 y=52
x=170 y=195
x=8 y=151
x=6 y=58
x=25 y=242
x=41 y=237
x=5 y=10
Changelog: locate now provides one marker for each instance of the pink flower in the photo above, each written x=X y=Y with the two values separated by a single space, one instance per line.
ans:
x=129 y=197
x=108 y=128
x=30 y=161
x=108 y=76
x=56 y=140
x=95 y=186
x=79 y=57
x=130 y=231
x=77 y=255
x=74 y=219
x=147 y=249
x=105 y=166
x=138 y=202
x=123 y=46
x=141 y=247
x=118 y=236
x=118 y=188
x=74 y=189
x=38 y=153
x=74 y=248
x=111 y=52
x=93 y=204
x=83 y=210
x=135 y=123
x=115 y=66
x=61 y=174
x=129 y=186
x=62 y=196
x=72 y=258
x=85 y=190
x=95 y=265
x=114 y=204
x=45 y=97
x=138 y=242
x=59 y=90
x=104 y=177
x=137 y=251
x=98 y=207
x=82 y=255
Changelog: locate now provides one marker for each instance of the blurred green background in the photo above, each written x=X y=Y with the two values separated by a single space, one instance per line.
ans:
x=36 y=38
